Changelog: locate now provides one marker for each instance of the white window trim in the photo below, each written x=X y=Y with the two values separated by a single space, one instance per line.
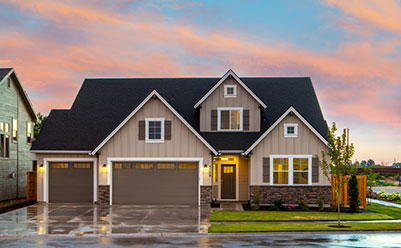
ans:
x=291 y=169
x=219 y=120
x=234 y=95
x=291 y=135
x=147 y=140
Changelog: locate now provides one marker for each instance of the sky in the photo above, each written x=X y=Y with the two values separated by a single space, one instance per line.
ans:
x=350 y=49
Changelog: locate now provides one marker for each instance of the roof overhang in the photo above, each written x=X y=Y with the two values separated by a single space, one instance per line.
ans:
x=225 y=76
x=154 y=93
x=288 y=111
x=60 y=151
x=23 y=93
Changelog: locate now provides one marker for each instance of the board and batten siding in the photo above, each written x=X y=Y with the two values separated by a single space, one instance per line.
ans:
x=217 y=100
x=183 y=143
x=243 y=180
x=307 y=143
x=40 y=174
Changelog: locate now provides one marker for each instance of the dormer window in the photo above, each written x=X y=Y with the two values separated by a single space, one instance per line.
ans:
x=229 y=119
x=230 y=91
x=290 y=130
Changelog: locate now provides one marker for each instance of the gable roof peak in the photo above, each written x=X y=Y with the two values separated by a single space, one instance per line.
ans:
x=230 y=73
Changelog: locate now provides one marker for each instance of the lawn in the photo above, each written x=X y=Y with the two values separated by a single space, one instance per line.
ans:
x=294 y=227
x=381 y=213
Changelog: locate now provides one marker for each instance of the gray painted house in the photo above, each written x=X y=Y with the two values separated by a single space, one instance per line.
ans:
x=185 y=141
x=16 y=133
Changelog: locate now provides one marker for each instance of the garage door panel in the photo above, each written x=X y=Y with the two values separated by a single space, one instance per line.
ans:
x=159 y=184
x=71 y=182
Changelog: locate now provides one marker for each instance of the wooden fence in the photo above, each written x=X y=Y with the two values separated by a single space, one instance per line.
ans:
x=31 y=186
x=344 y=198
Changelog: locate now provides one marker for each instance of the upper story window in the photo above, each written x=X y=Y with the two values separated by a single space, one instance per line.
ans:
x=229 y=119
x=290 y=130
x=154 y=130
x=8 y=82
x=29 y=127
x=230 y=91
x=4 y=140
x=15 y=130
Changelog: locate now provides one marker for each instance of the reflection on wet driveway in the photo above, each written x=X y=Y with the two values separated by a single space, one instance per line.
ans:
x=80 y=219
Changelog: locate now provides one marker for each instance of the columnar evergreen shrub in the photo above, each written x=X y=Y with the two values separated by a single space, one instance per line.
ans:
x=353 y=194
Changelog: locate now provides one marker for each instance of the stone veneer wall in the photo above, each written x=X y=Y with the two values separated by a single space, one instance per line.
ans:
x=292 y=194
x=103 y=194
x=206 y=194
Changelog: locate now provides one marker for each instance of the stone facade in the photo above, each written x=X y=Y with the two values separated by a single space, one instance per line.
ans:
x=21 y=159
x=103 y=195
x=206 y=194
x=291 y=194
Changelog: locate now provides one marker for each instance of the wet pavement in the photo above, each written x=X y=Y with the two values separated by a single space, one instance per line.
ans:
x=84 y=219
x=256 y=240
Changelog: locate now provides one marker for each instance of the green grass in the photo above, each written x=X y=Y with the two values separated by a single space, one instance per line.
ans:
x=381 y=212
x=394 y=213
x=293 y=227
x=292 y=216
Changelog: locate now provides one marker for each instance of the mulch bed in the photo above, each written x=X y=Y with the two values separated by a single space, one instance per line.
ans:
x=6 y=206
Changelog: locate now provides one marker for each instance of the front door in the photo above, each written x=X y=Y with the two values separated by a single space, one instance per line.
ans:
x=228 y=181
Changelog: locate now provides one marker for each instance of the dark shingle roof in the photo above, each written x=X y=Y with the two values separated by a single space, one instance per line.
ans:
x=4 y=72
x=102 y=104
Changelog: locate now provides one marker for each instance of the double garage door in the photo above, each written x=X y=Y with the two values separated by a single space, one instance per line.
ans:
x=155 y=183
x=146 y=183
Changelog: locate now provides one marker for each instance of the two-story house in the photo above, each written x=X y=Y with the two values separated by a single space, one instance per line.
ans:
x=17 y=118
x=185 y=141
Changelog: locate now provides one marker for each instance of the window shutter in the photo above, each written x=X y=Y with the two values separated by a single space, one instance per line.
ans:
x=315 y=170
x=213 y=120
x=266 y=170
x=141 y=130
x=167 y=130
x=245 y=119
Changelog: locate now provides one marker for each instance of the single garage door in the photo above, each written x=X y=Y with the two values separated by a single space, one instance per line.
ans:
x=159 y=183
x=71 y=182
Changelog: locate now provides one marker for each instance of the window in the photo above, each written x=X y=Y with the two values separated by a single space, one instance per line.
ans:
x=15 y=130
x=290 y=130
x=165 y=166
x=229 y=119
x=291 y=169
x=4 y=140
x=230 y=91
x=187 y=166
x=82 y=165
x=215 y=175
x=60 y=165
x=29 y=132
x=8 y=82
x=154 y=130
x=144 y=166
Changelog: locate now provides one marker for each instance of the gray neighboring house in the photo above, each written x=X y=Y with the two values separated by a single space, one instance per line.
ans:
x=17 y=118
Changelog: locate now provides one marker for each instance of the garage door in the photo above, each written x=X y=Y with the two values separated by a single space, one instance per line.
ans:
x=71 y=182
x=159 y=183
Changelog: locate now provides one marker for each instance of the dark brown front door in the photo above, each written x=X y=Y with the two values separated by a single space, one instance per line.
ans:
x=155 y=183
x=228 y=181
x=71 y=182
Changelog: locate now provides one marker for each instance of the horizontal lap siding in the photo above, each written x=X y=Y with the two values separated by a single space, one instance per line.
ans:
x=217 y=99
x=307 y=143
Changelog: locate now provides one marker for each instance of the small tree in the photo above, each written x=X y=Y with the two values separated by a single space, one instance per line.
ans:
x=337 y=161
x=353 y=192
x=39 y=124
x=371 y=178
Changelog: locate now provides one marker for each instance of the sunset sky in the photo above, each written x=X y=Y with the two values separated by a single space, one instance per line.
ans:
x=351 y=49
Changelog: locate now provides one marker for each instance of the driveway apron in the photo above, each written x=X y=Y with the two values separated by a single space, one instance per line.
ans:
x=81 y=219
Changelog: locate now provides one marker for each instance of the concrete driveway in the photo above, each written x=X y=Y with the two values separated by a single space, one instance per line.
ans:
x=81 y=219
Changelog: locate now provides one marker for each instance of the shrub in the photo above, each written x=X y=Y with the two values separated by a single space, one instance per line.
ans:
x=382 y=194
x=303 y=206
x=353 y=194
x=256 y=201
x=273 y=208
x=320 y=204
x=278 y=203
x=289 y=207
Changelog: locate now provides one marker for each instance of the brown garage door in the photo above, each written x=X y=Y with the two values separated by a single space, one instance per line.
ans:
x=71 y=182
x=164 y=183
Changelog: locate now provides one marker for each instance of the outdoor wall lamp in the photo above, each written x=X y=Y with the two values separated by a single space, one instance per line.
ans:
x=41 y=168
x=205 y=167
x=104 y=167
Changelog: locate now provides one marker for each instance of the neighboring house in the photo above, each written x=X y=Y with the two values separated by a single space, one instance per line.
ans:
x=17 y=118
x=185 y=141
